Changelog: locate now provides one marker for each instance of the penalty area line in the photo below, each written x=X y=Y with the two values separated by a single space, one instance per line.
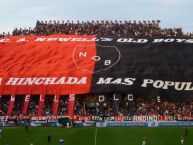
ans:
x=95 y=140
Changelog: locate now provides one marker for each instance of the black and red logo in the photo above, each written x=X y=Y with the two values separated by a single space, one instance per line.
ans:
x=101 y=57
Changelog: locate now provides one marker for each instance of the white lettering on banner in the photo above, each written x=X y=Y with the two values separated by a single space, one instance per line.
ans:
x=158 y=99
x=187 y=86
x=12 y=98
x=84 y=54
x=158 y=84
x=115 y=98
x=40 y=39
x=132 y=40
x=180 y=85
x=12 y=81
x=78 y=39
x=42 y=98
x=61 y=39
x=104 y=81
x=158 y=40
x=189 y=41
x=93 y=39
x=46 y=81
x=72 y=80
x=4 y=40
x=82 y=81
x=101 y=98
x=52 y=39
x=169 y=40
x=142 y=41
x=22 y=40
x=117 y=81
x=129 y=81
x=71 y=97
x=180 y=40
x=27 y=98
x=106 y=39
x=64 y=39
x=107 y=62
x=146 y=81
x=39 y=81
x=55 y=99
x=61 y=81
x=147 y=118
x=21 y=81
x=50 y=80
x=123 y=81
x=95 y=58
x=130 y=97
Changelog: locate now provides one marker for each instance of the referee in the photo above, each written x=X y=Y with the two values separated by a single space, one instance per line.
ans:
x=1 y=132
x=49 y=139
x=186 y=132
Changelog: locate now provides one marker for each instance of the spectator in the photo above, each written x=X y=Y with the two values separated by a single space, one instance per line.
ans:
x=104 y=28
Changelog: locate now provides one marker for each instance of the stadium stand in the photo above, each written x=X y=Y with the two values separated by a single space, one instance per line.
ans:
x=89 y=105
x=103 y=28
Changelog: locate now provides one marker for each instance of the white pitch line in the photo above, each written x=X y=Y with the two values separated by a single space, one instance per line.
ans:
x=95 y=141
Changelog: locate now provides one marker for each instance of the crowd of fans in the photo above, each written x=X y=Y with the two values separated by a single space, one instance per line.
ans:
x=90 y=105
x=63 y=105
x=103 y=28
x=33 y=105
x=165 y=107
x=47 y=108
x=111 y=105
x=18 y=105
x=4 y=103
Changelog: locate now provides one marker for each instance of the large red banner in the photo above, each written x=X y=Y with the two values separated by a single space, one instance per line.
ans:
x=71 y=64
x=45 y=64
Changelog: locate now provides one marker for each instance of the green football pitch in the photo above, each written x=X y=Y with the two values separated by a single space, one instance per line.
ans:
x=99 y=136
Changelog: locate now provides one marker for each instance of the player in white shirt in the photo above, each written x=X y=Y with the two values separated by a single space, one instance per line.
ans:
x=181 y=139
x=68 y=125
x=144 y=141
x=61 y=141
x=31 y=143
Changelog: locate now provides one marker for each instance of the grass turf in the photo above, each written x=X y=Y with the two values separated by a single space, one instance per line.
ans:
x=104 y=136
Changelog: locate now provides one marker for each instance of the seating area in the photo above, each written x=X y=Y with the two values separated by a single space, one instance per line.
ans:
x=90 y=104
x=127 y=28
